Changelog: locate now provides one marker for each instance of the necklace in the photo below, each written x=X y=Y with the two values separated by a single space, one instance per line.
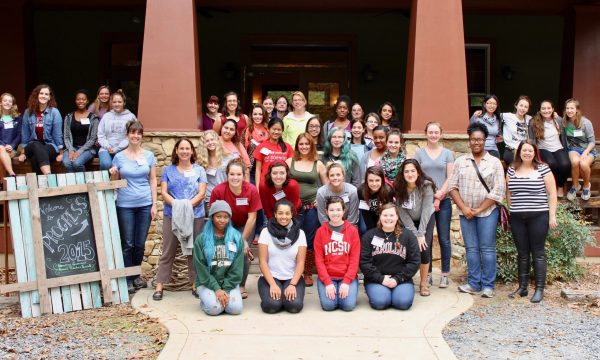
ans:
x=387 y=237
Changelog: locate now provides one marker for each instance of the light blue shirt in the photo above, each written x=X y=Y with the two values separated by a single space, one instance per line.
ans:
x=184 y=186
x=137 y=193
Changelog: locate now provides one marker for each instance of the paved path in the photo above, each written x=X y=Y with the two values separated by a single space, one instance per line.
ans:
x=312 y=334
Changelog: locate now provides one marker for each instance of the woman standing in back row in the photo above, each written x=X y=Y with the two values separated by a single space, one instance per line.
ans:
x=438 y=163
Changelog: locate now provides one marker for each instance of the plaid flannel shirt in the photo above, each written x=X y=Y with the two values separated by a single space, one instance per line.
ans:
x=465 y=180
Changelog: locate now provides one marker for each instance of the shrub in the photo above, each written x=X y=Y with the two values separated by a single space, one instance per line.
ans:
x=563 y=245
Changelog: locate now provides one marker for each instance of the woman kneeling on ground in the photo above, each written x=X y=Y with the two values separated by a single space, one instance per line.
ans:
x=337 y=253
x=219 y=263
x=389 y=258
x=281 y=254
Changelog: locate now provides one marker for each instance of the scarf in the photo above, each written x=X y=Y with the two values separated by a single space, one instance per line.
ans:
x=282 y=237
x=391 y=166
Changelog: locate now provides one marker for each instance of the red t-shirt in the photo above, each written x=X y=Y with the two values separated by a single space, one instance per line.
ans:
x=268 y=197
x=268 y=153
x=334 y=257
x=246 y=202
x=39 y=125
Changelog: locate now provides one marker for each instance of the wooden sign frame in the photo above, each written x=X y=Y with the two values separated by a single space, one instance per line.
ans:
x=40 y=295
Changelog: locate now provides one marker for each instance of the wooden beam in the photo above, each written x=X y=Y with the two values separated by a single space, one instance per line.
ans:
x=38 y=246
x=65 y=190
x=72 y=279
x=100 y=247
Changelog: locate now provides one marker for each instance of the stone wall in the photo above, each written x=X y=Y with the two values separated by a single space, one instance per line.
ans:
x=162 y=143
x=459 y=146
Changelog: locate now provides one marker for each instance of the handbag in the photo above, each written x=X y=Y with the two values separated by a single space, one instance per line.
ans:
x=503 y=219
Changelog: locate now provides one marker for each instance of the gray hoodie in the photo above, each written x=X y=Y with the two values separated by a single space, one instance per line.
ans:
x=112 y=132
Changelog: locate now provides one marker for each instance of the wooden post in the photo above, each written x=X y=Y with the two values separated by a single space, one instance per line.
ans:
x=101 y=250
x=36 y=227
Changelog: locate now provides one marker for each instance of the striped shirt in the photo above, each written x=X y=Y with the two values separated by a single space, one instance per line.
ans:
x=528 y=193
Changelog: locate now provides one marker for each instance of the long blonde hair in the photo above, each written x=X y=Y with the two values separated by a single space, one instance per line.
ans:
x=577 y=118
x=98 y=104
x=14 y=110
x=203 y=155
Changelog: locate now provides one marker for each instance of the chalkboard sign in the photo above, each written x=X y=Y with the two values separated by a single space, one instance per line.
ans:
x=68 y=235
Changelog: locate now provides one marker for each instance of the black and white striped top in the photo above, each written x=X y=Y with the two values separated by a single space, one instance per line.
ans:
x=528 y=193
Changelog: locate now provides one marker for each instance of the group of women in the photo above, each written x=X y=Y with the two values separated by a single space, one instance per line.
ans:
x=340 y=195
x=567 y=144
x=104 y=128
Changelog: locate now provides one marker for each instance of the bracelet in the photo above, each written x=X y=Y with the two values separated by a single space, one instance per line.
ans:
x=294 y=285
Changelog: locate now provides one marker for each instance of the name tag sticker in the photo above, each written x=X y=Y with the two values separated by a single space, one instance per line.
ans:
x=377 y=241
x=279 y=195
x=211 y=172
x=577 y=133
x=241 y=201
x=232 y=247
x=363 y=205
x=189 y=173
x=84 y=121
x=265 y=151
x=346 y=198
x=9 y=125
x=408 y=204
x=336 y=236
x=141 y=162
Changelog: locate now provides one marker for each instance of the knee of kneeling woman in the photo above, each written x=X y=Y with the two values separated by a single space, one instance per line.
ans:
x=270 y=307
x=212 y=310
x=348 y=306
x=234 y=308
x=294 y=307
x=403 y=305
x=379 y=304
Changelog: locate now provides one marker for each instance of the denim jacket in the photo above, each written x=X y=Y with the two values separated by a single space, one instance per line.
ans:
x=52 y=128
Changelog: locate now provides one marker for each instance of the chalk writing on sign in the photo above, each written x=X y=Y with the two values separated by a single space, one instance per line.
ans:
x=68 y=235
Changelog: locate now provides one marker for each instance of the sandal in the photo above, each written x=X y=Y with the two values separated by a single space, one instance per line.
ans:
x=424 y=290
x=195 y=294
x=244 y=294
x=158 y=295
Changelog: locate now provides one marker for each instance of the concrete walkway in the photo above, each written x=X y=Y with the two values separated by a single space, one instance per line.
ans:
x=312 y=334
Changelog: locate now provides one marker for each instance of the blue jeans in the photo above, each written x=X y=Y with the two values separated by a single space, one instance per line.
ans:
x=105 y=160
x=309 y=223
x=133 y=225
x=442 y=223
x=77 y=165
x=479 y=236
x=382 y=297
x=211 y=306
x=347 y=304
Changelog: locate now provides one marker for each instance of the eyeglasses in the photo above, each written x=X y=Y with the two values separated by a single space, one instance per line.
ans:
x=478 y=140
x=314 y=126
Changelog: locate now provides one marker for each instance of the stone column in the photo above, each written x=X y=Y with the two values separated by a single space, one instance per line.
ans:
x=436 y=76
x=170 y=77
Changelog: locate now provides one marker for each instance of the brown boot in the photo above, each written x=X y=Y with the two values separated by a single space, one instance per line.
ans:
x=308 y=268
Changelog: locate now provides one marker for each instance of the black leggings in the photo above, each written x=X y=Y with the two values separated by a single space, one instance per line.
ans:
x=529 y=230
x=426 y=254
x=559 y=163
x=272 y=306
x=39 y=155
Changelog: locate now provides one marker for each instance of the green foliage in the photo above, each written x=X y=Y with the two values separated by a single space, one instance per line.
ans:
x=563 y=245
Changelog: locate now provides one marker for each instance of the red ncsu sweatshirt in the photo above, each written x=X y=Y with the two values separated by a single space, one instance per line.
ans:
x=334 y=257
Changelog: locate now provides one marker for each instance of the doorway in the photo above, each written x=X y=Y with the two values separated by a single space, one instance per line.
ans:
x=321 y=67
